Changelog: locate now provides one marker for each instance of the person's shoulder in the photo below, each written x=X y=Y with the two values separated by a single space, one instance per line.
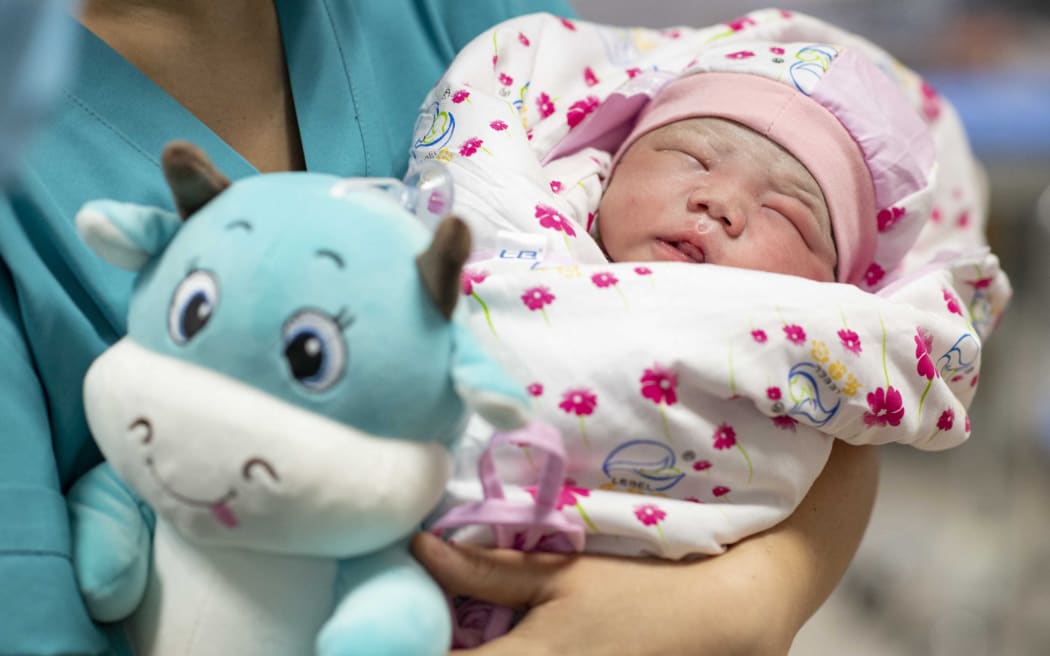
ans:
x=462 y=20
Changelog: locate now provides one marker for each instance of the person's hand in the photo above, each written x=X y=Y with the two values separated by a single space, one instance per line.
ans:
x=751 y=600
x=583 y=605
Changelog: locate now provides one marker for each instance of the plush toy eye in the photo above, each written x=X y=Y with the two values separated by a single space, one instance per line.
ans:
x=315 y=349
x=192 y=305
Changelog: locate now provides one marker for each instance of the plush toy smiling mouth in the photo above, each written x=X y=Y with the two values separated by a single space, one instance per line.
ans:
x=219 y=508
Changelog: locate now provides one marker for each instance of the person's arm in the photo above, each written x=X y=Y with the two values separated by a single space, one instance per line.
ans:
x=41 y=611
x=751 y=600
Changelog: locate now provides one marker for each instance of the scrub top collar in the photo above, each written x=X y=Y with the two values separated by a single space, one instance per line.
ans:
x=334 y=133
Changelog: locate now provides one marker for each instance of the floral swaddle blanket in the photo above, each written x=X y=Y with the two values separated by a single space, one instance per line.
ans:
x=697 y=403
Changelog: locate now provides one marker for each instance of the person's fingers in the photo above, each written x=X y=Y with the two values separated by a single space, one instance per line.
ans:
x=502 y=576
x=508 y=645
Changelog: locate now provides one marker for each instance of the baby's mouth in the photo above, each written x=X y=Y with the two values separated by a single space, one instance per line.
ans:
x=691 y=251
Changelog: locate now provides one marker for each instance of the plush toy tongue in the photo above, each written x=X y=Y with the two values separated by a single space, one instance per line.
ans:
x=223 y=513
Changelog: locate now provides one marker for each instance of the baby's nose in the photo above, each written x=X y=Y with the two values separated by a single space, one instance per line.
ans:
x=721 y=207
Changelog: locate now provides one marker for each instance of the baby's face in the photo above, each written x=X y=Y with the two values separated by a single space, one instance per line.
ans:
x=711 y=191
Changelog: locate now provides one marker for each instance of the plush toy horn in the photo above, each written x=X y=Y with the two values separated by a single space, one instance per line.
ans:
x=441 y=263
x=193 y=179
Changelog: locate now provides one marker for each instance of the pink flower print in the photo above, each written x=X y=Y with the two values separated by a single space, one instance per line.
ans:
x=671 y=34
x=580 y=109
x=659 y=385
x=523 y=40
x=740 y=23
x=649 y=514
x=470 y=146
x=973 y=381
x=536 y=298
x=963 y=220
x=460 y=96
x=468 y=278
x=692 y=500
x=556 y=186
x=605 y=280
x=505 y=79
x=944 y=423
x=569 y=25
x=951 y=302
x=495 y=60
x=980 y=283
x=776 y=50
x=850 y=341
x=702 y=465
x=795 y=334
x=873 y=275
x=935 y=215
x=633 y=72
x=785 y=422
x=720 y=490
x=552 y=219
x=740 y=54
x=581 y=402
x=725 y=437
x=931 y=101
x=759 y=336
x=535 y=389
x=643 y=271
x=923 y=344
x=946 y=420
x=589 y=78
x=885 y=407
x=545 y=105
x=498 y=126
x=889 y=217
x=773 y=393
x=966 y=426
x=567 y=497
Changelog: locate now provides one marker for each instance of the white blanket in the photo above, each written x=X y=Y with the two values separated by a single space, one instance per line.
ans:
x=698 y=403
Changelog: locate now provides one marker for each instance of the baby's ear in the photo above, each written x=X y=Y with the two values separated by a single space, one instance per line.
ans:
x=125 y=234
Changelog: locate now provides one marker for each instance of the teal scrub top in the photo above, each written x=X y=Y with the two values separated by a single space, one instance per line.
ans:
x=359 y=70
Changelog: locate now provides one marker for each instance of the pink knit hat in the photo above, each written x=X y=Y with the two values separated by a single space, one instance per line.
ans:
x=839 y=115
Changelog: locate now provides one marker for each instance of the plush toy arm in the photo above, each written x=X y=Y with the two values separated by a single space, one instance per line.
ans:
x=388 y=606
x=112 y=532
x=485 y=387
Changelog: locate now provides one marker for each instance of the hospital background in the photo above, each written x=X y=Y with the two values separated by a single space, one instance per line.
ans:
x=956 y=560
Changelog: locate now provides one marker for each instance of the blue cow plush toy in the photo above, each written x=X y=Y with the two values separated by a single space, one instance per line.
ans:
x=283 y=409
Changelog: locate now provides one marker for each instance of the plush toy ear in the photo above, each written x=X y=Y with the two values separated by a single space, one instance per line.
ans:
x=483 y=384
x=441 y=263
x=193 y=179
x=125 y=234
